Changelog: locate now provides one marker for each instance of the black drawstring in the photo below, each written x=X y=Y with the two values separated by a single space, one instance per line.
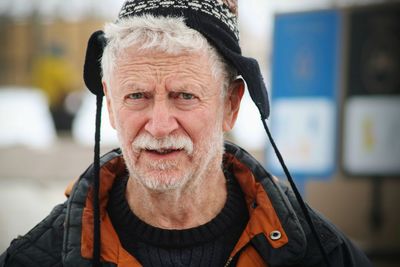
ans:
x=92 y=78
x=297 y=194
x=96 y=186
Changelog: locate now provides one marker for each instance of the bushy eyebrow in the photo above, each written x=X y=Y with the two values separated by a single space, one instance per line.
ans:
x=130 y=86
x=185 y=86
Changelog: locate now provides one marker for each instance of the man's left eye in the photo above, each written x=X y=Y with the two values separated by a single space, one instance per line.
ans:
x=186 y=96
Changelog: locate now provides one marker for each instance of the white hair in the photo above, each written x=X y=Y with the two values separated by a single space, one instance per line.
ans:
x=166 y=34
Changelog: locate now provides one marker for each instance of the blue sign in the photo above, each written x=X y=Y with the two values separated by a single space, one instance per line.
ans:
x=305 y=80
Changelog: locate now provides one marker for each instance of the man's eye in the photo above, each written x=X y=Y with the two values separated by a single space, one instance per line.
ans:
x=135 y=96
x=186 y=96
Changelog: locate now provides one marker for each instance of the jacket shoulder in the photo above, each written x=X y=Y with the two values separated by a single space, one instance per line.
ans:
x=303 y=249
x=41 y=246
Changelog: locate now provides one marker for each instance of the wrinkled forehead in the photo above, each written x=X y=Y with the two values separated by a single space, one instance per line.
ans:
x=158 y=58
x=188 y=69
x=142 y=58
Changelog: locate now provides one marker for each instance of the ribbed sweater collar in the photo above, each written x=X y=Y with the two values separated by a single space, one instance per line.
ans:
x=130 y=227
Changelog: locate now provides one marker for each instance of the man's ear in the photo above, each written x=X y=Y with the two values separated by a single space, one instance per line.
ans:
x=232 y=103
x=107 y=94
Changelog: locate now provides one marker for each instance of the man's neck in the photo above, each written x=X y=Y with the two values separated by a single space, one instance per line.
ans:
x=183 y=208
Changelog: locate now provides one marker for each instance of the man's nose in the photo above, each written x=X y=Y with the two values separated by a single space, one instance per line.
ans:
x=162 y=121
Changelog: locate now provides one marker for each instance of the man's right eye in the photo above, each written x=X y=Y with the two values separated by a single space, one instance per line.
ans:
x=135 y=96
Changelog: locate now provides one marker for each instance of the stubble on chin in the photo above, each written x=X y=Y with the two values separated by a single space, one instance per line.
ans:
x=162 y=175
x=158 y=176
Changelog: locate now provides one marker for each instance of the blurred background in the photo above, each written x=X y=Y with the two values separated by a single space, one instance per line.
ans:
x=332 y=68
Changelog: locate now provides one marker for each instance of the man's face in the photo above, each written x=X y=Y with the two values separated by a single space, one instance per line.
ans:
x=169 y=115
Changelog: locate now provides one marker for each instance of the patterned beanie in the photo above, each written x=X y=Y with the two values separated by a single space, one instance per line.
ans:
x=222 y=11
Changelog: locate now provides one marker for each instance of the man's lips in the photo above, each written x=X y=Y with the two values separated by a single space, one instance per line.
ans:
x=162 y=152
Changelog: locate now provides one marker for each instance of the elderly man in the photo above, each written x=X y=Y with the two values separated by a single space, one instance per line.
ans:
x=175 y=194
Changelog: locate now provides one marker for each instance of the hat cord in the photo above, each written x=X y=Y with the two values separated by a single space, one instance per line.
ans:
x=297 y=194
x=96 y=186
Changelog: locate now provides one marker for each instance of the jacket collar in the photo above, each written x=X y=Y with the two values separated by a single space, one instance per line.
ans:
x=272 y=219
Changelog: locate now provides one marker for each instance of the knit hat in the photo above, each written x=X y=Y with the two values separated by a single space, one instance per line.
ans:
x=216 y=20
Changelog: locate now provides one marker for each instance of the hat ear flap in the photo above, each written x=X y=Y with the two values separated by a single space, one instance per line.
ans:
x=92 y=66
x=251 y=73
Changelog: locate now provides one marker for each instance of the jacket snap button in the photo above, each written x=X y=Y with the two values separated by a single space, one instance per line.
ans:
x=275 y=235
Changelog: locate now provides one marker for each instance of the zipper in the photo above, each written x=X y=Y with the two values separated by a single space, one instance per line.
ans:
x=228 y=262
x=235 y=257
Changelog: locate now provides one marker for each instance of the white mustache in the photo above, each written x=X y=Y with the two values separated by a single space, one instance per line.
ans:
x=147 y=142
